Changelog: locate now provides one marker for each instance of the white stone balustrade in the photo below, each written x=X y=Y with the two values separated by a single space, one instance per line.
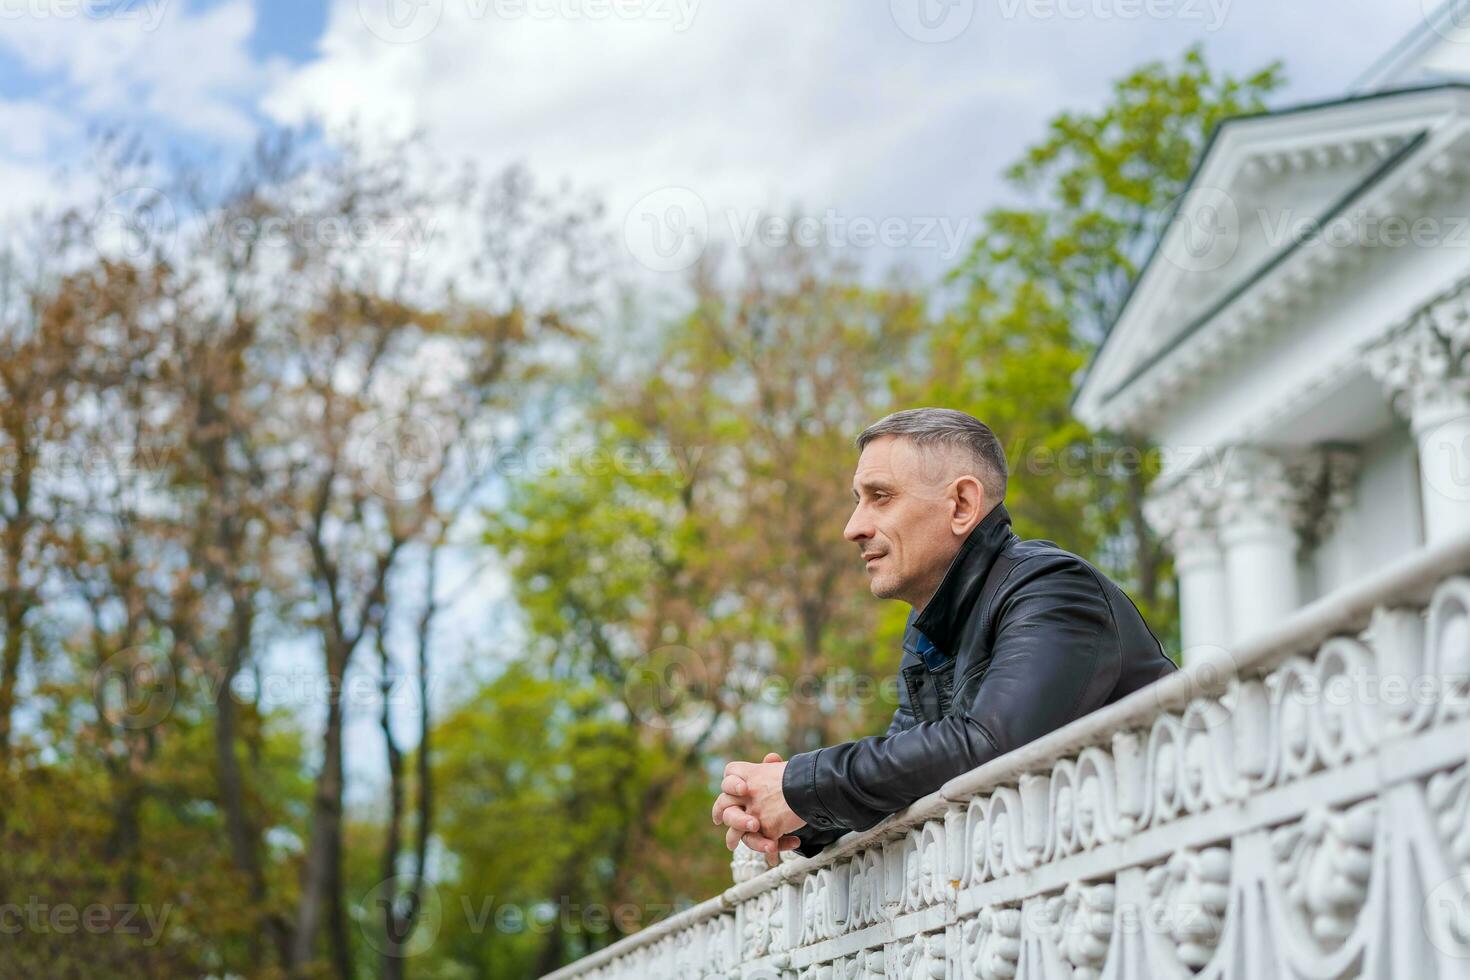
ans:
x=1298 y=808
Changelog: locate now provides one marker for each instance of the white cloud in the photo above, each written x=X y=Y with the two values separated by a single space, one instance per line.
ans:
x=156 y=62
x=34 y=130
x=160 y=66
x=752 y=104
x=757 y=104
x=765 y=103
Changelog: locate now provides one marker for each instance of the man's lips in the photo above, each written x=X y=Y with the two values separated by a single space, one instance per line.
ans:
x=869 y=559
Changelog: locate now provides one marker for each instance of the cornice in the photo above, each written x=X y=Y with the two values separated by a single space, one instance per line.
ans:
x=1376 y=130
x=1293 y=282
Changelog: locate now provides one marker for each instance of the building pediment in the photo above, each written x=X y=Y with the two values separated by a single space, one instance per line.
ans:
x=1268 y=190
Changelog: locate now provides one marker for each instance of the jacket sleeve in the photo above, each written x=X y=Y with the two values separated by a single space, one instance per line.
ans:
x=813 y=841
x=1054 y=657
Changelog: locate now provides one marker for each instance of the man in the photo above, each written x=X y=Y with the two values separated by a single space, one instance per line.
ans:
x=1008 y=640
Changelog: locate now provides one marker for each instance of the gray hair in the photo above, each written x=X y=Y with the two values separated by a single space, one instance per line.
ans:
x=931 y=427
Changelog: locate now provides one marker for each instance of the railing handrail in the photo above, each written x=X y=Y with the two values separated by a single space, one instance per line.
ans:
x=1410 y=579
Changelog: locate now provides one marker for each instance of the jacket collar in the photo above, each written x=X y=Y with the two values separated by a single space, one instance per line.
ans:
x=949 y=609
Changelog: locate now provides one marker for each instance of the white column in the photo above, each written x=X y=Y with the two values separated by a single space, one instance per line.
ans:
x=1425 y=365
x=1257 y=529
x=1203 y=599
x=1442 y=430
x=1184 y=517
x=1325 y=482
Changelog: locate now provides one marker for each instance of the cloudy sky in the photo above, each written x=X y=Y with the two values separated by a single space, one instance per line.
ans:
x=901 y=109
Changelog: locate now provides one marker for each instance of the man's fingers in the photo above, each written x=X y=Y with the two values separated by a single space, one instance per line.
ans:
x=787 y=843
x=735 y=786
x=723 y=802
x=757 y=842
x=772 y=757
x=737 y=818
x=732 y=838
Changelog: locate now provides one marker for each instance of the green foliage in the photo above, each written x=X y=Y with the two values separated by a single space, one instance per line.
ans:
x=540 y=784
x=1103 y=182
x=155 y=895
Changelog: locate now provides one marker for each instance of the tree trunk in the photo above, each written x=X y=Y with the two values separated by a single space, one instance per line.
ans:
x=400 y=927
x=10 y=655
x=338 y=936
x=242 y=835
x=1145 y=548
x=319 y=876
x=396 y=928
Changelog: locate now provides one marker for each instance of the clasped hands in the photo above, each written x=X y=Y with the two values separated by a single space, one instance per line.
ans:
x=753 y=808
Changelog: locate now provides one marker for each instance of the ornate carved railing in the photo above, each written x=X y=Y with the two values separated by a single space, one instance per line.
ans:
x=1297 y=807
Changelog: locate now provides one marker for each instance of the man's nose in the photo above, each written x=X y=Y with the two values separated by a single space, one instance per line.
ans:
x=858 y=527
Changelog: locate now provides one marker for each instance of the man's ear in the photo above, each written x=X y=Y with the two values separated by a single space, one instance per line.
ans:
x=968 y=505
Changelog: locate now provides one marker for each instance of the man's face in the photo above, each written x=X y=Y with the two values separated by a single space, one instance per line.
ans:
x=904 y=519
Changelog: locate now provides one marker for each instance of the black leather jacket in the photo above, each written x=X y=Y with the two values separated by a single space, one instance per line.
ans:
x=1027 y=638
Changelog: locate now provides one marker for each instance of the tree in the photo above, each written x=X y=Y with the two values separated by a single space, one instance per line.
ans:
x=539 y=782
x=285 y=418
x=1042 y=284
x=687 y=556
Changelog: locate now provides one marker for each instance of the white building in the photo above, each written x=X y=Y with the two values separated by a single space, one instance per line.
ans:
x=1295 y=802
x=1299 y=346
